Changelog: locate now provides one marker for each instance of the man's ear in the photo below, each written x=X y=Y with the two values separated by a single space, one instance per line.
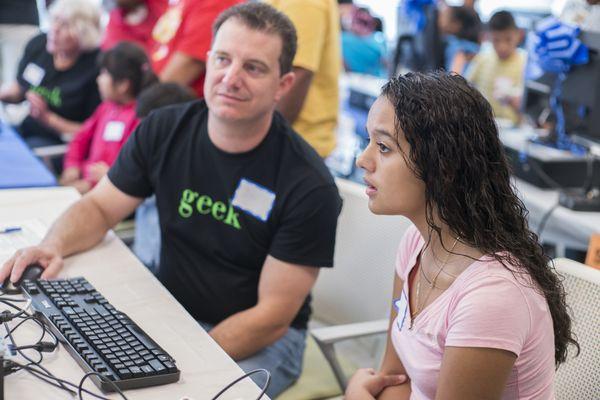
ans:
x=285 y=84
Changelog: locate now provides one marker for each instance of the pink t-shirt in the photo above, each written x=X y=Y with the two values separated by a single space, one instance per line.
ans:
x=101 y=137
x=486 y=306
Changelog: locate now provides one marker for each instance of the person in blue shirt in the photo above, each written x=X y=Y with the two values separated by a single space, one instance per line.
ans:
x=363 y=47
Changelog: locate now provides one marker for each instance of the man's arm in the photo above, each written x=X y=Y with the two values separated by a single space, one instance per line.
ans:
x=291 y=104
x=182 y=69
x=282 y=289
x=82 y=226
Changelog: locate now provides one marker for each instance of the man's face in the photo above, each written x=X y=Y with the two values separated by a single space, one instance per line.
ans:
x=505 y=42
x=243 y=80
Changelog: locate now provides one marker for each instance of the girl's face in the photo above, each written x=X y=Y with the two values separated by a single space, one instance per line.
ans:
x=392 y=186
x=107 y=87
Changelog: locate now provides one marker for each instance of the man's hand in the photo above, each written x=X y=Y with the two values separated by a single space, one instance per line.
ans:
x=47 y=256
x=366 y=382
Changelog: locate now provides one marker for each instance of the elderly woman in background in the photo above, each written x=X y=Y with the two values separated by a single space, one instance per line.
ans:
x=57 y=74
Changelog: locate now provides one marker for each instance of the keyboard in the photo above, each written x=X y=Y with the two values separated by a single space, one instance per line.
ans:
x=99 y=337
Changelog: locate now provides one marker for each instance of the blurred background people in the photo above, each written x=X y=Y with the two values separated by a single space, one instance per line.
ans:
x=133 y=21
x=462 y=30
x=311 y=106
x=124 y=73
x=583 y=13
x=57 y=74
x=182 y=37
x=363 y=45
x=498 y=74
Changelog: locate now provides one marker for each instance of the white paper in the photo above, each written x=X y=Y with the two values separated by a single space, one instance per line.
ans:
x=31 y=233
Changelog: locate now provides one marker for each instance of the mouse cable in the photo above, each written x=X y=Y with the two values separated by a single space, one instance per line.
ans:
x=13 y=366
x=103 y=378
x=51 y=379
x=80 y=389
x=7 y=316
x=37 y=363
x=230 y=385
x=45 y=374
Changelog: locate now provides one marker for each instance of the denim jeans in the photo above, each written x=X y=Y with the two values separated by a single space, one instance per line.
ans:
x=283 y=359
x=146 y=243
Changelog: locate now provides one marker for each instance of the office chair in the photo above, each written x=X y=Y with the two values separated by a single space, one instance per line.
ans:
x=577 y=378
x=352 y=300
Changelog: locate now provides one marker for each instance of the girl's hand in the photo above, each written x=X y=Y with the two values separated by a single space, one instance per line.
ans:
x=70 y=175
x=97 y=171
x=367 y=383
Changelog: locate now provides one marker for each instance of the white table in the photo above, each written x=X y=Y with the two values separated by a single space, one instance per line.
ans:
x=129 y=286
x=565 y=228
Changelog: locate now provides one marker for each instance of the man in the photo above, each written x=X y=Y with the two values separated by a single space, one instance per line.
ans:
x=182 y=36
x=247 y=209
x=312 y=103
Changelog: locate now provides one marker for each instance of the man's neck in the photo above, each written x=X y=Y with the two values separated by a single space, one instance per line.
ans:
x=237 y=137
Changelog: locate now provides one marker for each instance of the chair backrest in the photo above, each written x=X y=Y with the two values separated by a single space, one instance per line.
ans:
x=579 y=377
x=359 y=286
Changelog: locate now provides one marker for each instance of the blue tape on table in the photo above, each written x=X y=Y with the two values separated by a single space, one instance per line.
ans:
x=19 y=167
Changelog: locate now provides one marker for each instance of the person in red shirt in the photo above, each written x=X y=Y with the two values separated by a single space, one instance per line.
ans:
x=124 y=72
x=132 y=21
x=182 y=37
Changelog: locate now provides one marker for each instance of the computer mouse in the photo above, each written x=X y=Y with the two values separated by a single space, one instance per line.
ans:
x=32 y=272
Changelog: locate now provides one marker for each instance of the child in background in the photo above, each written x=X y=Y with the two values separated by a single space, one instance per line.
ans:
x=499 y=74
x=462 y=29
x=124 y=72
x=363 y=47
x=146 y=244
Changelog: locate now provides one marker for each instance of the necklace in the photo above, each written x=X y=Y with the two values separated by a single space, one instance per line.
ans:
x=431 y=284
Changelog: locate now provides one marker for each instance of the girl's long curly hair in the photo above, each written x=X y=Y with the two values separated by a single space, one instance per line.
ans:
x=456 y=151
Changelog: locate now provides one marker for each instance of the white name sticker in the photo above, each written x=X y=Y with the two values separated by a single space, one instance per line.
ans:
x=33 y=74
x=113 y=132
x=254 y=199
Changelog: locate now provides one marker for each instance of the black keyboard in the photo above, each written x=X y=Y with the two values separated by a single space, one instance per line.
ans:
x=99 y=337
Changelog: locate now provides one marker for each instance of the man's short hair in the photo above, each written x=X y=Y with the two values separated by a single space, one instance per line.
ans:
x=502 y=21
x=264 y=18
x=161 y=95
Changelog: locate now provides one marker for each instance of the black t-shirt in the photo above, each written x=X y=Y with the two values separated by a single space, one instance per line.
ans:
x=72 y=93
x=20 y=12
x=221 y=214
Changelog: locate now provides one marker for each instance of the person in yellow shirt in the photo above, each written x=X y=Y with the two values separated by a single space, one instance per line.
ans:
x=311 y=106
x=498 y=74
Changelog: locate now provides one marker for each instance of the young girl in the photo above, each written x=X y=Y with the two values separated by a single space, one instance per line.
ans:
x=124 y=72
x=478 y=312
